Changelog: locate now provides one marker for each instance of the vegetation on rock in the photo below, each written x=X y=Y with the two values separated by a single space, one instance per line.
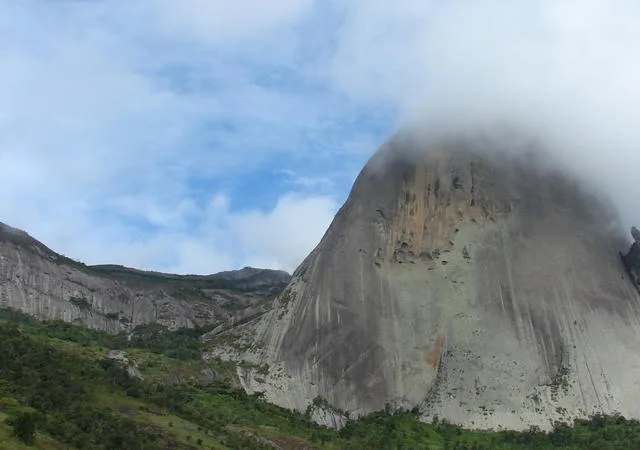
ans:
x=57 y=391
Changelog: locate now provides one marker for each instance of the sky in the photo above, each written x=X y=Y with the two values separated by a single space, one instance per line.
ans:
x=196 y=136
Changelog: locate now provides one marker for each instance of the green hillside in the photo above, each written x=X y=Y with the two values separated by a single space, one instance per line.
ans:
x=57 y=391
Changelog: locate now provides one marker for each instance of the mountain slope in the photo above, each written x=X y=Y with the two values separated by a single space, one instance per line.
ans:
x=482 y=285
x=46 y=285
x=63 y=388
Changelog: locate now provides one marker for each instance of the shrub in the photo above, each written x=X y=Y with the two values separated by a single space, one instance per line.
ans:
x=24 y=426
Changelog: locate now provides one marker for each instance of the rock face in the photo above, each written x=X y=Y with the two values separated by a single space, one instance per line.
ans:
x=121 y=358
x=632 y=259
x=44 y=284
x=482 y=286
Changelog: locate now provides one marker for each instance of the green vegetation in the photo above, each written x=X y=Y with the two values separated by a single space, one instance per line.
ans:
x=230 y=340
x=402 y=431
x=58 y=392
x=55 y=388
x=12 y=315
x=261 y=369
x=24 y=426
x=182 y=344
x=186 y=287
x=321 y=403
x=560 y=383
x=192 y=288
x=80 y=302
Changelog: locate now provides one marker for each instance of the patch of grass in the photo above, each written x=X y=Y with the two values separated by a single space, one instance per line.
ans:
x=9 y=442
x=175 y=428
x=260 y=369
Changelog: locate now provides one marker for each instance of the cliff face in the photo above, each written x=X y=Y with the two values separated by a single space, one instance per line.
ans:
x=39 y=282
x=631 y=259
x=483 y=287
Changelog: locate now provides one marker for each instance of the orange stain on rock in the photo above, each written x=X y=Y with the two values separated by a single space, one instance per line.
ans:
x=432 y=357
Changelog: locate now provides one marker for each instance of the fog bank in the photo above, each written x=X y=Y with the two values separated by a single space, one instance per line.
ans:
x=565 y=72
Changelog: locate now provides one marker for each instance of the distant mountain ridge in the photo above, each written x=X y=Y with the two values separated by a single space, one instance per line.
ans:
x=40 y=282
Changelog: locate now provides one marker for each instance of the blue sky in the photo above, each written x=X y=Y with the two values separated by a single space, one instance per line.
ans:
x=201 y=135
x=130 y=121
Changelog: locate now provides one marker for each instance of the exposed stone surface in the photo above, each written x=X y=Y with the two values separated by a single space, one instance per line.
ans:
x=631 y=259
x=116 y=355
x=46 y=285
x=327 y=417
x=484 y=287
x=121 y=358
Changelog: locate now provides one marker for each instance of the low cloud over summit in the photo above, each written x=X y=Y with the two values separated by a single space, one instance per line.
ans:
x=122 y=123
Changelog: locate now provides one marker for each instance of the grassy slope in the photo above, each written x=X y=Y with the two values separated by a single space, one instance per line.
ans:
x=9 y=442
x=177 y=406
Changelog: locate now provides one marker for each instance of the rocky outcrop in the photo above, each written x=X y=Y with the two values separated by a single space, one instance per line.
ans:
x=123 y=360
x=631 y=259
x=480 y=285
x=46 y=285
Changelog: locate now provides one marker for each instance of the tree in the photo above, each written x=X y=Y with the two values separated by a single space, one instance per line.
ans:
x=24 y=426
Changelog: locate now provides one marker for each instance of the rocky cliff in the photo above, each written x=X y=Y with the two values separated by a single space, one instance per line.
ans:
x=42 y=283
x=480 y=285
x=631 y=259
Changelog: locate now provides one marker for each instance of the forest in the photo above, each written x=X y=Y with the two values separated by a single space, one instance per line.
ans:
x=57 y=391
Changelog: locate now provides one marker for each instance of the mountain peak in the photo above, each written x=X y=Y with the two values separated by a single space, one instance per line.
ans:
x=36 y=280
x=465 y=281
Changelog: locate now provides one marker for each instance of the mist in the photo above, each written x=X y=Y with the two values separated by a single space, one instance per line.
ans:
x=565 y=73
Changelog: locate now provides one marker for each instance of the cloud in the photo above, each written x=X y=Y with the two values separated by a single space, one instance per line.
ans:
x=278 y=237
x=219 y=22
x=285 y=235
x=567 y=70
x=322 y=182
x=121 y=120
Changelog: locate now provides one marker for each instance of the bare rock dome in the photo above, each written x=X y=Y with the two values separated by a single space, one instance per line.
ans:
x=481 y=285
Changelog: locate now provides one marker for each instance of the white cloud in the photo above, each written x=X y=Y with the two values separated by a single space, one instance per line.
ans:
x=286 y=234
x=566 y=69
x=120 y=119
x=279 y=237
x=218 y=238
x=220 y=22
x=322 y=182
